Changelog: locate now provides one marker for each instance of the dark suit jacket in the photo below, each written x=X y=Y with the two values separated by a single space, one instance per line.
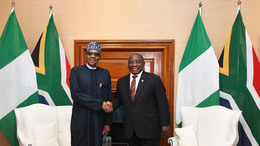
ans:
x=150 y=109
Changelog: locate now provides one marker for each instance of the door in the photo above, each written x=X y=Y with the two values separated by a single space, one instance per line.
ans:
x=158 y=56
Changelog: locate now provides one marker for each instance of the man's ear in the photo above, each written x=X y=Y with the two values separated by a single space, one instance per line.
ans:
x=143 y=65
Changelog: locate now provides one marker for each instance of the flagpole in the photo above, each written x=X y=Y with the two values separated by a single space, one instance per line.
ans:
x=50 y=10
x=200 y=9
x=238 y=5
x=13 y=5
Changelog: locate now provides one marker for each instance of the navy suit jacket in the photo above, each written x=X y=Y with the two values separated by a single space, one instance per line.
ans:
x=149 y=111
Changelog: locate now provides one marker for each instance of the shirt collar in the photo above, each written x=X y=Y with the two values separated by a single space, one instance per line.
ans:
x=138 y=75
x=91 y=67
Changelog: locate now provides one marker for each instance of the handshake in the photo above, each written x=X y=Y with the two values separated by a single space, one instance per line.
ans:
x=107 y=107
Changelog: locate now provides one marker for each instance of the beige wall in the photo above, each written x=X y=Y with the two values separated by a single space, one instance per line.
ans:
x=132 y=19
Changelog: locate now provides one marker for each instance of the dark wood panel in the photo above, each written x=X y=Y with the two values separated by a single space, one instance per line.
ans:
x=3 y=140
x=158 y=55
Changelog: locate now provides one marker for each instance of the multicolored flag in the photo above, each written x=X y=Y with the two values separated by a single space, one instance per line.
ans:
x=52 y=67
x=240 y=82
x=18 y=85
x=198 y=80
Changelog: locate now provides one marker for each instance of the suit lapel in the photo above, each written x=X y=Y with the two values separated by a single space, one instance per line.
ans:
x=140 y=86
x=128 y=86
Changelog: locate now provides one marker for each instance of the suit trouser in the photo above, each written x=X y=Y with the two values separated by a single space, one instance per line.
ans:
x=136 y=141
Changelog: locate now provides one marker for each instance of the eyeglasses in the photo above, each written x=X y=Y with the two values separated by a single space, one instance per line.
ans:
x=92 y=53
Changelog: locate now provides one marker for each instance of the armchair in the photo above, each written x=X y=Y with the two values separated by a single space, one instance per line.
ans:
x=43 y=125
x=209 y=126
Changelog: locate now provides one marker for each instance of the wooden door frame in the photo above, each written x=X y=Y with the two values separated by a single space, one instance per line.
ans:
x=166 y=47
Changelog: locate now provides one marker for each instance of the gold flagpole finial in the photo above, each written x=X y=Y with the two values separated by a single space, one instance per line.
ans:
x=200 y=8
x=238 y=5
x=239 y=2
x=51 y=7
x=13 y=4
x=200 y=5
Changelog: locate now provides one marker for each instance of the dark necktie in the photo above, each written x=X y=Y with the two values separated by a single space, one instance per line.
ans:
x=132 y=90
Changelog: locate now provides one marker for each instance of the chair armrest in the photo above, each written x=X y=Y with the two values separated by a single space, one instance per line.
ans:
x=173 y=141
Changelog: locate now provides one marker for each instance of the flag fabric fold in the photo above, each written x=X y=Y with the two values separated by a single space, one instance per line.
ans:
x=18 y=87
x=52 y=67
x=240 y=82
x=198 y=79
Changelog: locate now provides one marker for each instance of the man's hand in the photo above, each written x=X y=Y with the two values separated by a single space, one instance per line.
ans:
x=107 y=107
x=110 y=106
x=106 y=130
x=165 y=130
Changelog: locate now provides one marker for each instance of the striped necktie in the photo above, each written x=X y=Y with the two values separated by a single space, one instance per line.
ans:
x=132 y=90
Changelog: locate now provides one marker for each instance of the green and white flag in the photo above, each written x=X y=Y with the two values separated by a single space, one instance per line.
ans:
x=18 y=85
x=198 y=80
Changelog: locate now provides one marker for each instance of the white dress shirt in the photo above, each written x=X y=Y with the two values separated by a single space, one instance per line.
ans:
x=91 y=67
x=137 y=79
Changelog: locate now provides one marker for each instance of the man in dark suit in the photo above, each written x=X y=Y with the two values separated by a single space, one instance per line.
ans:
x=146 y=108
x=90 y=88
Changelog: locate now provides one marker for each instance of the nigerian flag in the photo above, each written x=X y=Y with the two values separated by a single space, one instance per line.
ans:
x=52 y=67
x=18 y=85
x=240 y=82
x=198 y=80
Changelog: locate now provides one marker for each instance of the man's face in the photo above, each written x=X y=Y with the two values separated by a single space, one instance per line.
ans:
x=135 y=64
x=92 y=57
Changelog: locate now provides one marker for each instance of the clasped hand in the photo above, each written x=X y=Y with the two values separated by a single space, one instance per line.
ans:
x=107 y=107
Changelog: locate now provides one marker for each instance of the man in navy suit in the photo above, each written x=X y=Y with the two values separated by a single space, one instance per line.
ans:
x=146 y=108
x=90 y=88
